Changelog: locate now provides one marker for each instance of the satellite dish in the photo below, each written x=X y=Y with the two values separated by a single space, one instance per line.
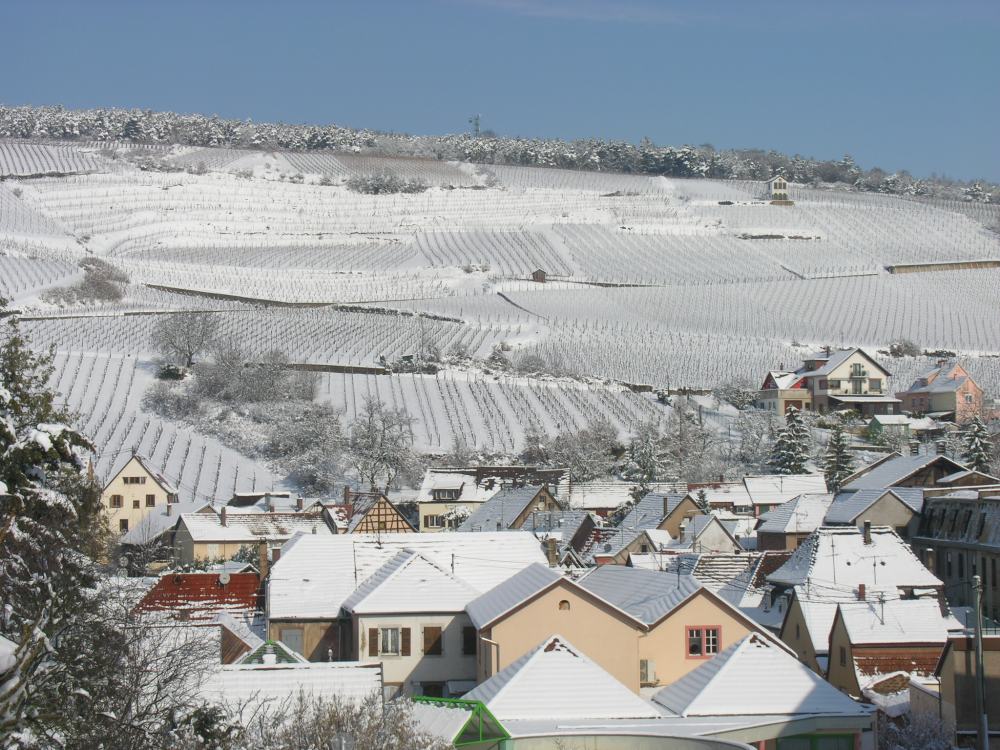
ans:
x=224 y=578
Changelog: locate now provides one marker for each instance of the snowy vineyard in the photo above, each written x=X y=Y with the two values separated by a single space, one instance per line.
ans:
x=650 y=280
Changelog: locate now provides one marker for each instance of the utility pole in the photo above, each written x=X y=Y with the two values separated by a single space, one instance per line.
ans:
x=982 y=721
x=474 y=122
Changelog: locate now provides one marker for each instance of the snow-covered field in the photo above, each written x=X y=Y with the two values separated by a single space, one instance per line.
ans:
x=659 y=281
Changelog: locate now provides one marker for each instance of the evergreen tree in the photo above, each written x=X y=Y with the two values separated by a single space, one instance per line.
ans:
x=50 y=527
x=976 y=441
x=838 y=463
x=646 y=455
x=791 y=449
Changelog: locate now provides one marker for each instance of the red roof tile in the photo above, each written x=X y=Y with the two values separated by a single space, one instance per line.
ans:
x=200 y=596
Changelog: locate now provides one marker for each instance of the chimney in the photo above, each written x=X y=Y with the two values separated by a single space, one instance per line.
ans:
x=347 y=495
x=552 y=552
x=861 y=592
x=222 y=515
x=868 y=531
x=940 y=447
x=826 y=350
x=263 y=561
x=268 y=505
x=299 y=503
x=170 y=510
x=276 y=554
x=683 y=531
x=666 y=504
x=930 y=559
x=914 y=448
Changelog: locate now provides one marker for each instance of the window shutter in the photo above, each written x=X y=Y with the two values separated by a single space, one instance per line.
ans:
x=469 y=641
x=404 y=649
x=373 y=641
x=432 y=641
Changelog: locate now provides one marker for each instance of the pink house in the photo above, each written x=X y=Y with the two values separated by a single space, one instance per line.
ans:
x=946 y=391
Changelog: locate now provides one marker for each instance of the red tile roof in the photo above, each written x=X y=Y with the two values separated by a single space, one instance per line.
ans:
x=201 y=596
x=884 y=661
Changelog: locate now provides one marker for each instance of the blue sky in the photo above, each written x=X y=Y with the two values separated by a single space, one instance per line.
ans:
x=904 y=84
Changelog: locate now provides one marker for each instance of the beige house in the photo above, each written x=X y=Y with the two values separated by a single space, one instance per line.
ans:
x=510 y=508
x=410 y=615
x=898 y=507
x=219 y=534
x=830 y=381
x=314 y=574
x=447 y=496
x=777 y=188
x=957 y=673
x=135 y=492
x=645 y=628
x=872 y=639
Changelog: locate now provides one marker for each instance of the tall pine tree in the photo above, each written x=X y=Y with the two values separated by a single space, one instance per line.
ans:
x=976 y=441
x=791 y=450
x=838 y=464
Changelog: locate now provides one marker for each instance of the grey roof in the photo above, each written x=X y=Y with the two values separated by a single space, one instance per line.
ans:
x=161 y=519
x=377 y=578
x=836 y=359
x=608 y=541
x=566 y=521
x=893 y=469
x=801 y=514
x=501 y=510
x=647 y=595
x=649 y=511
x=505 y=596
x=847 y=506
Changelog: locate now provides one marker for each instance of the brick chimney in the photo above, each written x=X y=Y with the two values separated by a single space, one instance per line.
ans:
x=914 y=448
x=268 y=505
x=263 y=561
x=222 y=516
x=552 y=552
x=299 y=503
x=940 y=447
x=861 y=592
x=868 y=531
x=170 y=510
x=347 y=495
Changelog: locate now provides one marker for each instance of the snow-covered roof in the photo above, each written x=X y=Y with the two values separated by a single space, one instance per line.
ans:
x=836 y=359
x=651 y=509
x=755 y=676
x=501 y=510
x=509 y=594
x=776 y=489
x=847 y=507
x=784 y=380
x=556 y=680
x=646 y=595
x=891 y=419
x=799 y=515
x=252 y=526
x=893 y=469
x=161 y=519
x=316 y=574
x=409 y=582
x=610 y=493
x=251 y=686
x=896 y=621
x=838 y=558
x=728 y=493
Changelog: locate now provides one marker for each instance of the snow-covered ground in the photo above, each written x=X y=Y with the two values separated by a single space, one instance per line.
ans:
x=659 y=281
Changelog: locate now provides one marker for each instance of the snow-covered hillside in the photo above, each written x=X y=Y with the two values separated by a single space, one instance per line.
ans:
x=666 y=282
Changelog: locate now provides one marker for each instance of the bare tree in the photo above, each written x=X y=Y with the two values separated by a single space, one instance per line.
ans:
x=381 y=444
x=183 y=338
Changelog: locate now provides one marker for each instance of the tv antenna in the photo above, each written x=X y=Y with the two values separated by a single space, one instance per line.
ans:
x=474 y=122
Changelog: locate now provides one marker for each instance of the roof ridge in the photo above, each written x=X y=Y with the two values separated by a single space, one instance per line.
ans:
x=736 y=648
